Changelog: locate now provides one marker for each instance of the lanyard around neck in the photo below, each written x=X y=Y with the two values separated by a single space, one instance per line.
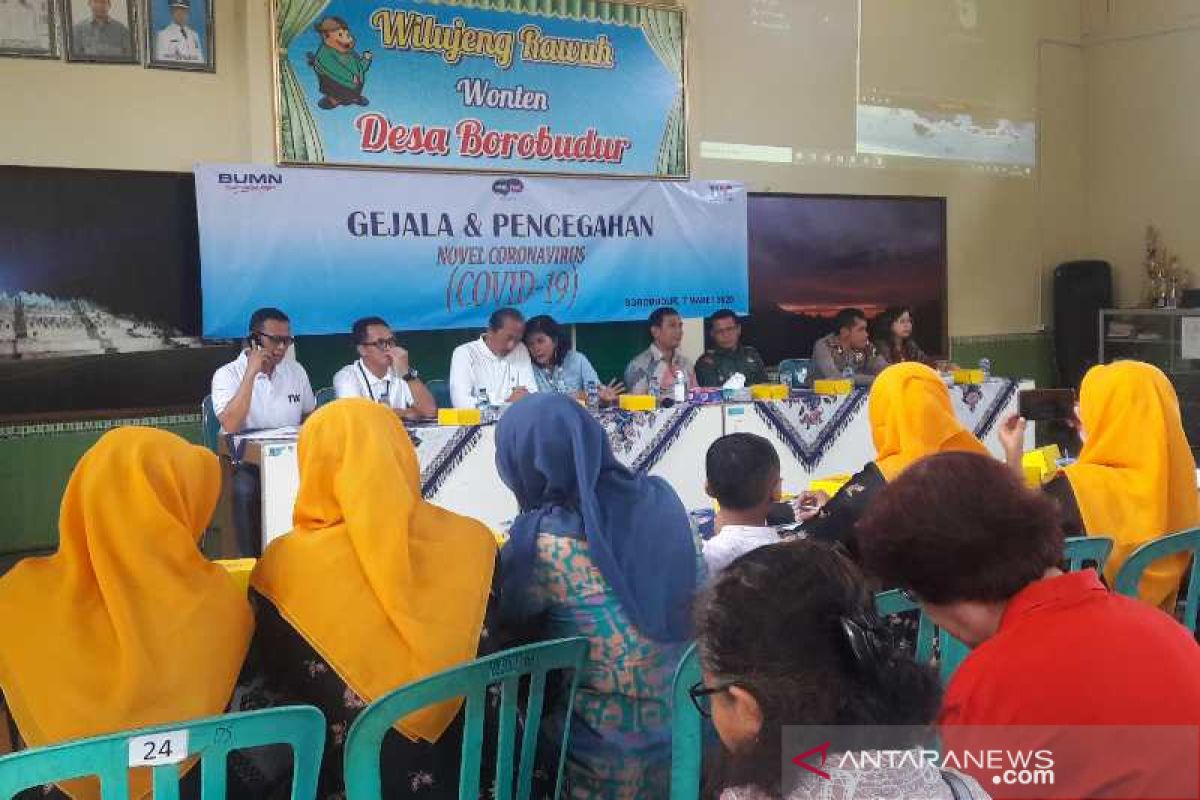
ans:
x=387 y=387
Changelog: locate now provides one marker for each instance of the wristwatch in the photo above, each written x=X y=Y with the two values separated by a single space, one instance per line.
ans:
x=411 y=375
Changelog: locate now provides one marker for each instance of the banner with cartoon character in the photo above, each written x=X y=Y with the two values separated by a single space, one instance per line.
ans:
x=434 y=251
x=560 y=86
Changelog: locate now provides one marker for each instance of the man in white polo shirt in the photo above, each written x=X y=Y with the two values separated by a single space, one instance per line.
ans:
x=383 y=373
x=497 y=362
x=260 y=389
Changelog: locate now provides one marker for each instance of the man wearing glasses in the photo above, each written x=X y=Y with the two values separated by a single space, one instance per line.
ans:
x=261 y=389
x=383 y=374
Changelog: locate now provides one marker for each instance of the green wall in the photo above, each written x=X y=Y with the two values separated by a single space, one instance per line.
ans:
x=36 y=460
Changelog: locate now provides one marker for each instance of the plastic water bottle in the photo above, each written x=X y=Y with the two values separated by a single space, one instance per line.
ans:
x=680 y=387
x=593 y=395
x=985 y=366
x=484 y=405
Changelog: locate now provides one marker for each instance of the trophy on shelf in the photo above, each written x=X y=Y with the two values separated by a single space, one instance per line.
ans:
x=1165 y=278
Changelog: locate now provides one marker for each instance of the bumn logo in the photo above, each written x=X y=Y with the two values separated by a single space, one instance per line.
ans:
x=506 y=186
x=249 y=181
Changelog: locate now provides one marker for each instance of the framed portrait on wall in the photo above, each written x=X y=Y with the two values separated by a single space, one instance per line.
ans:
x=28 y=28
x=100 y=31
x=179 y=35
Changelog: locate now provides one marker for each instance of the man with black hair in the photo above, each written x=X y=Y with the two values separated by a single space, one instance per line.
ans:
x=743 y=476
x=260 y=389
x=728 y=355
x=653 y=370
x=383 y=373
x=848 y=352
x=496 y=363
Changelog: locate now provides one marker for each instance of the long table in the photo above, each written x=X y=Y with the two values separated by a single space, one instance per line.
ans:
x=815 y=435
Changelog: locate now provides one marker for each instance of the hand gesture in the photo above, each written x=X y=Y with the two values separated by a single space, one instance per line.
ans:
x=256 y=360
x=1012 y=437
x=808 y=504
x=399 y=357
x=611 y=392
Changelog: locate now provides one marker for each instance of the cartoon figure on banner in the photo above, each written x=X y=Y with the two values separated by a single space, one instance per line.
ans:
x=341 y=72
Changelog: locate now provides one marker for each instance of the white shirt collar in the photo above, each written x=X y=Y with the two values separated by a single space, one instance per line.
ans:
x=390 y=375
x=487 y=351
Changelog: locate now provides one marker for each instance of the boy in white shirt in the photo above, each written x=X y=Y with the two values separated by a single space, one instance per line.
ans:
x=743 y=476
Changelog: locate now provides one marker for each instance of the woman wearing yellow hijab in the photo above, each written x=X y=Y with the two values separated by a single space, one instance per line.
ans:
x=1135 y=479
x=911 y=417
x=127 y=625
x=372 y=589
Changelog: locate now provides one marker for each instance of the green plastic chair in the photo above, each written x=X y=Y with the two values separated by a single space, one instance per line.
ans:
x=325 y=395
x=1130 y=574
x=951 y=651
x=1087 y=550
x=362 y=762
x=210 y=426
x=211 y=740
x=687 y=737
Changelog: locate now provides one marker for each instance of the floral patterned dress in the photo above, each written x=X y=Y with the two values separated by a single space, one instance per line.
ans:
x=620 y=745
x=283 y=669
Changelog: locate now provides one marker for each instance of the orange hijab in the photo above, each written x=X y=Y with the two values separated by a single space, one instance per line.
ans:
x=127 y=625
x=1135 y=479
x=911 y=417
x=386 y=587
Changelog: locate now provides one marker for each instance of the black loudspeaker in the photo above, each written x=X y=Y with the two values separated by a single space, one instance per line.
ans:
x=1081 y=289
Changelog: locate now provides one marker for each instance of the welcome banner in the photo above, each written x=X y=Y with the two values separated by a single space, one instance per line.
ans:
x=432 y=251
x=566 y=86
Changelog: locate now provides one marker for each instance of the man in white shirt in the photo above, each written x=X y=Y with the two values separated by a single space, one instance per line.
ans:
x=260 y=389
x=497 y=363
x=177 y=41
x=743 y=476
x=383 y=373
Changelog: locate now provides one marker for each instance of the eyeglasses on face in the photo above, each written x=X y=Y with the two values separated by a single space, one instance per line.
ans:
x=277 y=341
x=382 y=344
x=700 y=694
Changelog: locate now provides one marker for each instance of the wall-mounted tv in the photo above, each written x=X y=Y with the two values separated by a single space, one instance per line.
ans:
x=811 y=255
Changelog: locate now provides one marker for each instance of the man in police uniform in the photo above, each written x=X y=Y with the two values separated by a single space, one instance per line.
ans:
x=260 y=389
x=177 y=41
x=729 y=355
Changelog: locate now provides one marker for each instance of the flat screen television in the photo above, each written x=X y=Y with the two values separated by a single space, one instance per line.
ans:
x=811 y=255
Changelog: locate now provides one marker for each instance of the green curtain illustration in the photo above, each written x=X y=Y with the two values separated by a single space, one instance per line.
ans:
x=300 y=141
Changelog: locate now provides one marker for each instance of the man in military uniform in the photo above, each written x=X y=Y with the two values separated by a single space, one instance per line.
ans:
x=729 y=355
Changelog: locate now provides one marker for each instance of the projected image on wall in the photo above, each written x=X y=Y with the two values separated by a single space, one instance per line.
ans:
x=874 y=84
x=891 y=131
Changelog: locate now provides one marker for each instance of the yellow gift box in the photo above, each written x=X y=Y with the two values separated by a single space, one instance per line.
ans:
x=459 y=416
x=1041 y=465
x=833 y=386
x=637 y=402
x=830 y=484
x=239 y=569
x=769 y=391
x=968 y=376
